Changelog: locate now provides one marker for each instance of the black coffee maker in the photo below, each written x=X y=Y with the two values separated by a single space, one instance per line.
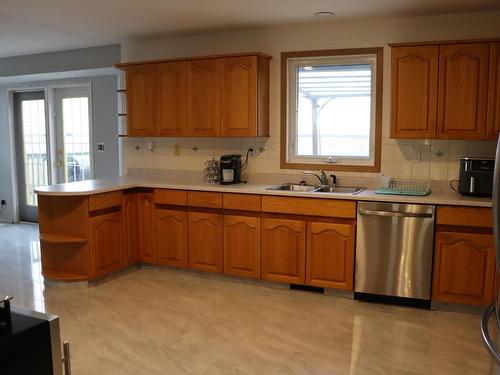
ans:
x=230 y=169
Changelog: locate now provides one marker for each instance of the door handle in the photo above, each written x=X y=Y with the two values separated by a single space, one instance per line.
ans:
x=488 y=342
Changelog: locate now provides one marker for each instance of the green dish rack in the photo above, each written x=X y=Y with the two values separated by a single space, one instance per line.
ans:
x=406 y=187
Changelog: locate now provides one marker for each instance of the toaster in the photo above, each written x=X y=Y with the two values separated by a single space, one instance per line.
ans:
x=476 y=176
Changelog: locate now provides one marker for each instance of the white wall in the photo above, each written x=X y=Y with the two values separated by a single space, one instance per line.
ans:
x=396 y=155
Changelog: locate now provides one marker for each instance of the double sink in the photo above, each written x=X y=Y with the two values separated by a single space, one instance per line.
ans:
x=303 y=188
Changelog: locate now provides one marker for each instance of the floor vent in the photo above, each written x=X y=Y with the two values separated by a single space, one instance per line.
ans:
x=307 y=288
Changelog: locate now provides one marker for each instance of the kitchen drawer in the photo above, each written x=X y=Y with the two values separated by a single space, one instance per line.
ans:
x=243 y=202
x=464 y=216
x=204 y=199
x=105 y=200
x=173 y=197
x=310 y=206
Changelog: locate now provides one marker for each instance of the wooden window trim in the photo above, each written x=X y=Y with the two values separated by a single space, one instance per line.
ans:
x=379 y=52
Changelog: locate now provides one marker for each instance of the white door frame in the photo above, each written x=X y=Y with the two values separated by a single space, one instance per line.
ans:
x=10 y=91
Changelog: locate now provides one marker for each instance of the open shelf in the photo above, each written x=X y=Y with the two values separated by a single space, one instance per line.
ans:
x=60 y=238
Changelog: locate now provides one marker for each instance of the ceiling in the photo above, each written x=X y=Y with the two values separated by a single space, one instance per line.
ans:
x=31 y=26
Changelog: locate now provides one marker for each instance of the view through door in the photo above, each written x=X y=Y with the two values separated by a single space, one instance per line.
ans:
x=67 y=139
x=73 y=136
x=32 y=157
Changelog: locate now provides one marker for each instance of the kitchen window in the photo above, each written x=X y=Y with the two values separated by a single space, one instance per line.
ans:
x=332 y=109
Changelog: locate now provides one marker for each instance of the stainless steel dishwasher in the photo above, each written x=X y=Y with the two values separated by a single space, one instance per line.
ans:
x=394 y=247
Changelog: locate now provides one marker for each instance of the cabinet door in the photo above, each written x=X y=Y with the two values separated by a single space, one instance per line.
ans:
x=493 y=126
x=330 y=255
x=414 y=91
x=130 y=248
x=283 y=250
x=141 y=100
x=171 y=237
x=204 y=106
x=106 y=241
x=242 y=246
x=171 y=89
x=239 y=96
x=464 y=268
x=146 y=227
x=463 y=89
x=205 y=241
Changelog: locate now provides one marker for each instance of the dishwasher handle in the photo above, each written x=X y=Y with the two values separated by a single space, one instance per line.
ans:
x=394 y=214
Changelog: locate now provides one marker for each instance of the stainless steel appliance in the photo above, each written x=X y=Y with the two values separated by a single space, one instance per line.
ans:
x=493 y=346
x=394 y=247
x=230 y=169
x=30 y=343
x=476 y=176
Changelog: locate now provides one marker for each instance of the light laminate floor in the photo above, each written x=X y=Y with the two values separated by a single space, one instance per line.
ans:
x=159 y=321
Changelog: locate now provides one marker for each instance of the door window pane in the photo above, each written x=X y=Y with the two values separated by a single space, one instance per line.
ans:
x=75 y=115
x=34 y=147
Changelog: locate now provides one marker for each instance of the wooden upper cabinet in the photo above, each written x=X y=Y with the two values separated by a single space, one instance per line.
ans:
x=414 y=91
x=146 y=227
x=239 y=96
x=242 y=246
x=493 y=119
x=141 y=100
x=284 y=250
x=225 y=95
x=330 y=255
x=171 y=237
x=464 y=268
x=205 y=251
x=204 y=94
x=106 y=243
x=463 y=90
x=171 y=99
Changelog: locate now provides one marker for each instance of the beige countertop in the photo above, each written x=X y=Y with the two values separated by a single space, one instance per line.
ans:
x=188 y=180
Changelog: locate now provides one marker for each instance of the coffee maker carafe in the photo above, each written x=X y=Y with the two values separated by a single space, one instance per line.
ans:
x=230 y=169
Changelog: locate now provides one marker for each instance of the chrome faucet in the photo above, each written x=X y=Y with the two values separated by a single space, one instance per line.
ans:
x=323 y=179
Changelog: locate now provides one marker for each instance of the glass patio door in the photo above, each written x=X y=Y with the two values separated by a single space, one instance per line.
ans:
x=73 y=138
x=32 y=156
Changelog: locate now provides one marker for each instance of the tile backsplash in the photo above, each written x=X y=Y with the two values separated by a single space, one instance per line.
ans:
x=419 y=159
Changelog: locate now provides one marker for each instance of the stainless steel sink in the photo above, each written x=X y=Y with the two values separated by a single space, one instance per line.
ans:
x=293 y=187
x=339 y=190
x=317 y=189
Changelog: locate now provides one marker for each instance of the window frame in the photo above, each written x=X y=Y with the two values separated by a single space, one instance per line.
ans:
x=285 y=163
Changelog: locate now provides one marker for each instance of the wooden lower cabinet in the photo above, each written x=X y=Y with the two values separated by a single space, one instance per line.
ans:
x=171 y=237
x=464 y=268
x=146 y=227
x=106 y=243
x=284 y=250
x=205 y=241
x=330 y=255
x=242 y=246
x=130 y=246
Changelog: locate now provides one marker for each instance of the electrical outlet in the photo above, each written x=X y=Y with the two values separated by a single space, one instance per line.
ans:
x=416 y=155
x=177 y=150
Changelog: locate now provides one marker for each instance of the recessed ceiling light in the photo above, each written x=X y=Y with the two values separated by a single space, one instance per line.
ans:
x=325 y=14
